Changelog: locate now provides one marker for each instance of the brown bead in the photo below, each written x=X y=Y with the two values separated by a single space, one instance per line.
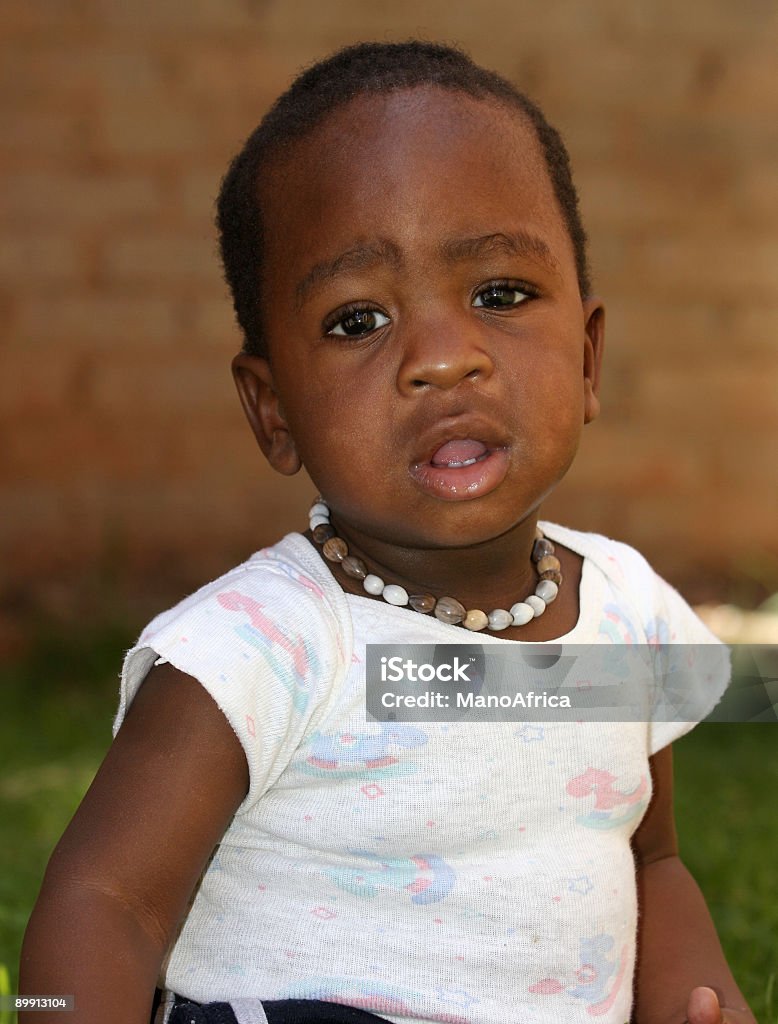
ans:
x=552 y=574
x=323 y=532
x=541 y=548
x=335 y=549
x=449 y=610
x=538 y=533
x=354 y=567
x=423 y=603
x=549 y=562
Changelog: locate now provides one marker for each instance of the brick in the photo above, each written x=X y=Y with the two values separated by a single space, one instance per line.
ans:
x=639 y=332
x=67 y=199
x=29 y=137
x=703 y=265
x=238 y=69
x=212 y=322
x=735 y=396
x=198 y=188
x=130 y=130
x=39 y=383
x=161 y=260
x=756 y=191
x=77 y=449
x=177 y=15
x=101 y=321
x=29 y=260
x=146 y=384
x=28 y=513
x=78 y=71
x=22 y=17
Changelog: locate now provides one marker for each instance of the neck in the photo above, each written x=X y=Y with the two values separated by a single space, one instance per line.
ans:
x=438 y=565
x=493 y=574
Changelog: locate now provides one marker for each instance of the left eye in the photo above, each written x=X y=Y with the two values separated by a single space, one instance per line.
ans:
x=359 y=322
x=500 y=296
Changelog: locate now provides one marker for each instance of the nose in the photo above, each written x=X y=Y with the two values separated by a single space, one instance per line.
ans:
x=443 y=355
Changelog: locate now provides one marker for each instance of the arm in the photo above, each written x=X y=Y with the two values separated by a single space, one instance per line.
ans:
x=681 y=971
x=119 y=881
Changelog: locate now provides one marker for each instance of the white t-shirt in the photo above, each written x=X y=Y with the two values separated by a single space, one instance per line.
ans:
x=460 y=872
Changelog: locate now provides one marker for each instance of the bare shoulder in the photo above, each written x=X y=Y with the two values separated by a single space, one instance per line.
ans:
x=160 y=802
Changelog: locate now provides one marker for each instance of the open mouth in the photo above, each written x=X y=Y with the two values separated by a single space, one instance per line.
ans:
x=458 y=454
x=461 y=469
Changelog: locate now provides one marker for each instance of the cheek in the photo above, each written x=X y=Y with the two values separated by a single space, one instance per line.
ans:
x=333 y=428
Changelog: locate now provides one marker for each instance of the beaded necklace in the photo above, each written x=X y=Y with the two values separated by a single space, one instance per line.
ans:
x=447 y=609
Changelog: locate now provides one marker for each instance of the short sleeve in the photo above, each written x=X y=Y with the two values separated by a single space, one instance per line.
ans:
x=691 y=667
x=267 y=645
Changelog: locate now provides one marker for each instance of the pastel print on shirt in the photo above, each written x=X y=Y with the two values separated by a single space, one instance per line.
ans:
x=597 y=978
x=612 y=807
x=362 y=755
x=282 y=652
x=424 y=878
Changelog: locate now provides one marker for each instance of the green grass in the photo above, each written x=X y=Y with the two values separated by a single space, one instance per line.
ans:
x=56 y=708
x=55 y=717
x=727 y=815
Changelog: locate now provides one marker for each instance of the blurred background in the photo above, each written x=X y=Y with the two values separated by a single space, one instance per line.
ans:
x=128 y=473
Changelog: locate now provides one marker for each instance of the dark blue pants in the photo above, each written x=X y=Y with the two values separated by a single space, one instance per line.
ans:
x=277 y=1011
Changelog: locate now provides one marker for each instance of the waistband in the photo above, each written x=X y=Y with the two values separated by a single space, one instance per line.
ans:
x=170 y=1008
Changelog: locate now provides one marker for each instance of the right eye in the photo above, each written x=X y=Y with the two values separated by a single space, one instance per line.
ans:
x=356 y=323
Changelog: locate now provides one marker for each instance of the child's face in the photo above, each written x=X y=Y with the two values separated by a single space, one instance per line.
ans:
x=420 y=289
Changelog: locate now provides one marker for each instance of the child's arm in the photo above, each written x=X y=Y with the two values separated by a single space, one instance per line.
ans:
x=119 y=882
x=680 y=959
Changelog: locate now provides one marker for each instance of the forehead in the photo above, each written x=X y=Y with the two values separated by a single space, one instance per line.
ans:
x=417 y=167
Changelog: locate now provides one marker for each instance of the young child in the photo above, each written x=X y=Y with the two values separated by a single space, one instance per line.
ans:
x=402 y=239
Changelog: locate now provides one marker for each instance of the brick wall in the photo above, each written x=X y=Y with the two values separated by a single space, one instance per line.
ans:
x=126 y=466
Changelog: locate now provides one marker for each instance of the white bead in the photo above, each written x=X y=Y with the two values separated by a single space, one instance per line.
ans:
x=522 y=613
x=318 y=521
x=537 y=604
x=500 y=619
x=547 y=590
x=394 y=594
x=319 y=509
x=373 y=585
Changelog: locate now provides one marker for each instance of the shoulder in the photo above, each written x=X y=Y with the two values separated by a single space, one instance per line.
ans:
x=287 y=580
x=634 y=605
x=282 y=586
x=659 y=612
x=279 y=611
x=270 y=641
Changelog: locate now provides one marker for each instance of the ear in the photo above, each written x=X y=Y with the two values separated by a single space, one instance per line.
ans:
x=261 y=404
x=594 y=342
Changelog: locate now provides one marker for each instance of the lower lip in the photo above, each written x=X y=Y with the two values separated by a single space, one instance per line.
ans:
x=462 y=483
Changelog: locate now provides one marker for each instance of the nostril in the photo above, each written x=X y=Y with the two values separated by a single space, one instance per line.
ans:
x=419 y=384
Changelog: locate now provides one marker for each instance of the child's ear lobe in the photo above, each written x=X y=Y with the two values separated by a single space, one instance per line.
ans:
x=594 y=342
x=262 y=406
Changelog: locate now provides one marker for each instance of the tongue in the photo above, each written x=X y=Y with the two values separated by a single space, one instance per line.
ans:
x=458 y=451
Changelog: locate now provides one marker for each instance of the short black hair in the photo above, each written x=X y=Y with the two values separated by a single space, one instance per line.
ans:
x=332 y=83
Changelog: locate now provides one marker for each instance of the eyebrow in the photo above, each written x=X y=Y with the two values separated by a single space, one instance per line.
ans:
x=454 y=250
x=511 y=243
x=361 y=257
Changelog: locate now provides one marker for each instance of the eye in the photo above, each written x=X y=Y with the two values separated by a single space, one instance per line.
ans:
x=356 y=323
x=502 y=295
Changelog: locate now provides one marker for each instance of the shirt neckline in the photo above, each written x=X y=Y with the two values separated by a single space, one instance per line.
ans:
x=588 y=593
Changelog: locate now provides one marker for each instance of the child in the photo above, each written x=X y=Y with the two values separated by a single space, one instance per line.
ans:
x=402 y=240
